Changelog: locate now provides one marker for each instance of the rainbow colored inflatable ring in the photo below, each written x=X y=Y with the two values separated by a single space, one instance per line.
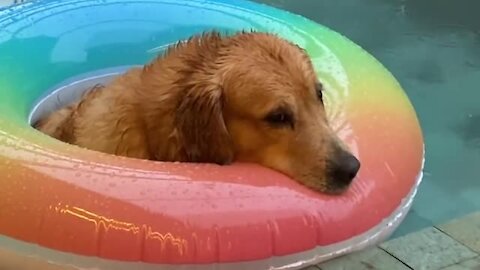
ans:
x=62 y=206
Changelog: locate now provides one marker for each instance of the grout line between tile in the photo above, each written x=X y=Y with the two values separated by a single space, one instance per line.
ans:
x=453 y=238
x=396 y=258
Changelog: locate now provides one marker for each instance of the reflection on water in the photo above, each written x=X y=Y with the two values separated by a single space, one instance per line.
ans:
x=433 y=49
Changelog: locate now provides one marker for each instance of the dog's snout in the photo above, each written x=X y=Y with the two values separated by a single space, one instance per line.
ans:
x=349 y=168
x=344 y=167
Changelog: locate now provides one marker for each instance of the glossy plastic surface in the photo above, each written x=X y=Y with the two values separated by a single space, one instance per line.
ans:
x=72 y=200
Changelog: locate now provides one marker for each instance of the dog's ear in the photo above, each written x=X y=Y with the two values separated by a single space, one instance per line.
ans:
x=202 y=132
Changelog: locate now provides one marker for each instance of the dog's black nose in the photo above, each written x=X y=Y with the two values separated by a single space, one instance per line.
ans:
x=344 y=167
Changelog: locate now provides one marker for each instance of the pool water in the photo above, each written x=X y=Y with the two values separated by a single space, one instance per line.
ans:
x=433 y=49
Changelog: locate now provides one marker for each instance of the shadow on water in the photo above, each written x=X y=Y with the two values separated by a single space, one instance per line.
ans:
x=470 y=130
x=433 y=49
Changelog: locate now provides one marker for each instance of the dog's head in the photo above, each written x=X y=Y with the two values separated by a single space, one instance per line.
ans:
x=263 y=104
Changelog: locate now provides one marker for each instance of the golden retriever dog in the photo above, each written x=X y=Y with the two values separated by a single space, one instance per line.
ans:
x=248 y=97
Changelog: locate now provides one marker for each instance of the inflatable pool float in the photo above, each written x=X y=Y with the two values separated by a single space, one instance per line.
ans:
x=65 y=206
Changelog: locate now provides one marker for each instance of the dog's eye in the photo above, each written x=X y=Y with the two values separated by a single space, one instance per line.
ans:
x=280 y=118
x=319 y=90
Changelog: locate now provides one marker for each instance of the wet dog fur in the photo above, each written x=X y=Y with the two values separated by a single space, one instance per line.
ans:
x=247 y=97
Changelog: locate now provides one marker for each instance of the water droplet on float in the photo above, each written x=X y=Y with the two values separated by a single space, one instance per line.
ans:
x=112 y=185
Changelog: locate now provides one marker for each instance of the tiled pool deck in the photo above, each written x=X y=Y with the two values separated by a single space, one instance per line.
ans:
x=451 y=246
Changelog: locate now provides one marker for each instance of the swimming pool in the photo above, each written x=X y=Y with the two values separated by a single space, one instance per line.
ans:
x=434 y=51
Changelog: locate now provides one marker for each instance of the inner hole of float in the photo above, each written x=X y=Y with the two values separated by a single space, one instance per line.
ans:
x=71 y=90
